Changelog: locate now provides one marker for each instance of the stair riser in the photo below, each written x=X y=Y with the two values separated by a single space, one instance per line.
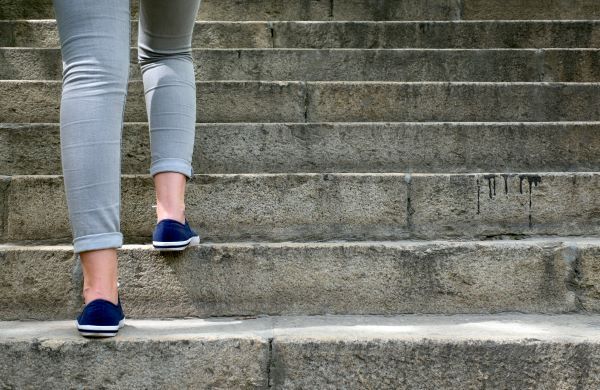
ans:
x=331 y=206
x=492 y=34
x=240 y=364
x=355 y=10
x=346 y=65
x=352 y=274
x=294 y=101
x=34 y=149
x=167 y=363
x=312 y=278
x=424 y=364
x=426 y=352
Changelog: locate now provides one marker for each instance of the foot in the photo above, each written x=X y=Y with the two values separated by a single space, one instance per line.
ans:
x=101 y=318
x=172 y=235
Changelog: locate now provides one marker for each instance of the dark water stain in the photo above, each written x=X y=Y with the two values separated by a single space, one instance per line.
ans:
x=491 y=179
x=478 y=196
x=532 y=180
x=505 y=176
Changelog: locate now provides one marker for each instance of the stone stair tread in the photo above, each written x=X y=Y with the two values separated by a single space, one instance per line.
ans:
x=361 y=34
x=549 y=274
x=358 y=9
x=345 y=64
x=501 y=327
x=359 y=225
x=343 y=101
x=507 y=241
x=32 y=149
x=505 y=350
x=313 y=206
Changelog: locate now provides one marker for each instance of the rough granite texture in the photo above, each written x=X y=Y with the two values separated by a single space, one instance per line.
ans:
x=4 y=186
x=530 y=9
x=494 y=65
x=44 y=282
x=430 y=352
x=339 y=101
x=383 y=364
x=232 y=207
x=330 y=352
x=327 y=206
x=351 y=34
x=586 y=283
x=445 y=101
x=352 y=10
x=220 y=353
x=279 y=240
x=34 y=149
x=492 y=205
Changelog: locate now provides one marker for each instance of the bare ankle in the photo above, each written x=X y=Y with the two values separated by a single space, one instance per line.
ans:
x=170 y=196
x=90 y=294
x=178 y=216
x=100 y=275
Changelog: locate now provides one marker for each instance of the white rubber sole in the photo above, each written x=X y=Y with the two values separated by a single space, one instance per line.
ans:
x=176 y=245
x=99 y=331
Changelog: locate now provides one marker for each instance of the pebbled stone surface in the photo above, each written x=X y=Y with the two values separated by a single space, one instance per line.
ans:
x=251 y=278
x=34 y=149
x=491 y=205
x=352 y=10
x=349 y=34
x=338 y=101
x=429 y=352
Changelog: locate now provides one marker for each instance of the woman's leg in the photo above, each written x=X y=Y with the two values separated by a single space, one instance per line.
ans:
x=164 y=54
x=94 y=37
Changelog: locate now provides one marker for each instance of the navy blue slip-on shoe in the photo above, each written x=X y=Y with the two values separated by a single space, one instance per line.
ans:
x=172 y=235
x=100 y=318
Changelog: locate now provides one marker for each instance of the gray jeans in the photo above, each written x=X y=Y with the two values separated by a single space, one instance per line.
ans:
x=95 y=46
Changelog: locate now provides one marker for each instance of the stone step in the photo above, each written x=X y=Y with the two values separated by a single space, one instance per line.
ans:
x=559 y=65
x=509 y=351
x=536 y=275
x=349 y=34
x=346 y=206
x=353 y=10
x=337 y=101
x=34 y=149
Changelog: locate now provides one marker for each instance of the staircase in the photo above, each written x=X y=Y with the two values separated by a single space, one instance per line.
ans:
x=390 y=194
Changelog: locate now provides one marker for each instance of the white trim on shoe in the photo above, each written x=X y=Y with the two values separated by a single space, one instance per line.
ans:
x=102 y=327
x=100 y=330
x=177 y=245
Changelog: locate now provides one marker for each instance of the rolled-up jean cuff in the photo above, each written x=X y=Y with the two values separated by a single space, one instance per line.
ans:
x=98 y=241
x=172 y=165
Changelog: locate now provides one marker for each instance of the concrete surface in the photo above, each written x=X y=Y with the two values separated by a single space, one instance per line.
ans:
x=327 y=206
x=464 y=147
x=432 y=352
x=551 y=275
x=339 y=101
x=573 y=65
x=352 y=10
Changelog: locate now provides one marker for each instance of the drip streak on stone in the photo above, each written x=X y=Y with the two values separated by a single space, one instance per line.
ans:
x=491 y=179
x=531 y=180
x=269 y=363
x=478 y=196
x=505 y=184
x=305 y=90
